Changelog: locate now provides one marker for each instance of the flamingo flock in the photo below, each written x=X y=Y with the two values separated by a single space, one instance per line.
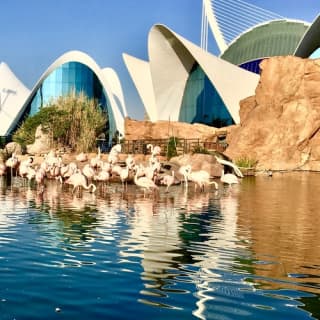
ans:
x=149 y=176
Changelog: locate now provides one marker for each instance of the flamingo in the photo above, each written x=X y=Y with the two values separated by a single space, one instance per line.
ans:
x=230 y=164
x=200 y=178
x=130 y=162
x=24 y=166
x=154 y=150
x=78 y=180
x=143 y=182
x=95 y=162
x=12 y=162
x=68 y=170
x=102 y=176
x=168 y=180
x=229 y=178
x=82 y=157
x=39 y=177
x=30 y=175
x=184 y=170
x=116 y=148
x=88 y=171
x=124 y=175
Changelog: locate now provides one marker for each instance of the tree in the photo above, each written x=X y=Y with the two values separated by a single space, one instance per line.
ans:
x=73 y=121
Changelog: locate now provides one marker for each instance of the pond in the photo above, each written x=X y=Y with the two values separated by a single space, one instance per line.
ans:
x=249 y=252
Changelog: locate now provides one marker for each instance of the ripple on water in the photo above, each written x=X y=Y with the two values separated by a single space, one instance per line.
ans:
x=235 y=256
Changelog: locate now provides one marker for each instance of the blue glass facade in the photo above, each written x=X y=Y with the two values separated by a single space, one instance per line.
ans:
x=253 y=66
x=202 y=103
x=71 y=77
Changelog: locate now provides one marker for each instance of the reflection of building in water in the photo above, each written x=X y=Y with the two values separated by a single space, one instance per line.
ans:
x=222 y=246
x=153 y=237
x=175 y=232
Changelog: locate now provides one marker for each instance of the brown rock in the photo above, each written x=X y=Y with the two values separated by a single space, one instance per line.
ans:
x=280 y=124
x=41 y=143
x=141 y=130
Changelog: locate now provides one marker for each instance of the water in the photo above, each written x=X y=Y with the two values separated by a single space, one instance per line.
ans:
x=252 y=252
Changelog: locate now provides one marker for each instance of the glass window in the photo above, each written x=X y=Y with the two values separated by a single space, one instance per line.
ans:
x=201 y=102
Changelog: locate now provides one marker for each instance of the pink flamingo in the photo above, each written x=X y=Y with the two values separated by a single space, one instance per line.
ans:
x=78 y=180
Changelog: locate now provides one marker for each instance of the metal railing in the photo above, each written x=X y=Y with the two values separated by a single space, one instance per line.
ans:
x=182 y=146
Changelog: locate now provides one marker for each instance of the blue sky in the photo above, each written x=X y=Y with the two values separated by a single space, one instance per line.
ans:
x=34 y=33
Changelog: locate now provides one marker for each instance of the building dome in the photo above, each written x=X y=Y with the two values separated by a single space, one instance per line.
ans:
x=272 y=38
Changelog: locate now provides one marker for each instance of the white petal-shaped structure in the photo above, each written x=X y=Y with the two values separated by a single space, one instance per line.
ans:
x=116 y=89
x=77 y=71
x=13 y=94
x=139 y=71
x=188 y=83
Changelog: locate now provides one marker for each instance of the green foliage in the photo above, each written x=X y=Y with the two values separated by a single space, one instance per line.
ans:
x=245 y=162
x=200 y=149
x=73 y=121
x=172 y=147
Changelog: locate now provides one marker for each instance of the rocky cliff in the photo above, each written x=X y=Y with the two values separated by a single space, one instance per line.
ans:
x=280 y=124
x=140 y=130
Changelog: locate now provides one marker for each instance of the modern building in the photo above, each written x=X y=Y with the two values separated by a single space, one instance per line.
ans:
x=246 y=34
x=13 y=94
x=309 y=45
x=182 y=82
x=76 y=72
x=273 y=38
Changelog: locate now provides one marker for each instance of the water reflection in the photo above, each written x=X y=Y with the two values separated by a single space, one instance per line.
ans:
x=280 y=218
x=247 y=253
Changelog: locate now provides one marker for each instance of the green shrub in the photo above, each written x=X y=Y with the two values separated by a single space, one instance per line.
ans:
x=245 y=162
x=73 y=121
x=172 y=147
x=200 y=149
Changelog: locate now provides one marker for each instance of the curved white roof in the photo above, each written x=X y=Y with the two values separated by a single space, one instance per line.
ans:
x=13 y=94
x=116 y=88
x=171 y=59
x=78 y=56
x=139 y=71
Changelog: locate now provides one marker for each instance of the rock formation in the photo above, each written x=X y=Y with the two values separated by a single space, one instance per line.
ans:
x=279 y=126
x=141 y=130
x=41 y=144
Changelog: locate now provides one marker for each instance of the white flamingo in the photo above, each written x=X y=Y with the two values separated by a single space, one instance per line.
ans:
x=68 y=170
x=24 y=166
x=113 y=156
x=130 y=162
x=230 y=164
x=82 y=157
x=200 y=178
x=96 y=161
x=154 y=150
x=143 y=182
x=124 y=175
x=30 y=175
x=88 y=171
x=229 y=178
x=168 y=180
x=184 y=170
x=103 y=177
x=116 y=148
x=78 y=180
x=12 y=163
x=39 y=178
